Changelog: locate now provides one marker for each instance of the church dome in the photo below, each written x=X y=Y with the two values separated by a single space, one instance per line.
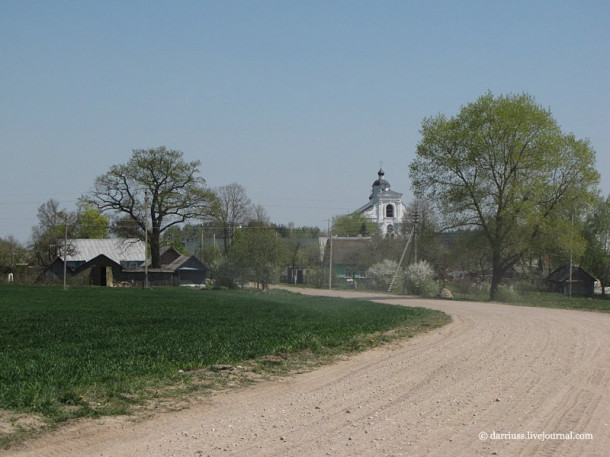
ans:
x=380 y=184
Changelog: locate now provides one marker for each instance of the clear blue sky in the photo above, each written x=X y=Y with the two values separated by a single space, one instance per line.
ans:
x=298 y=101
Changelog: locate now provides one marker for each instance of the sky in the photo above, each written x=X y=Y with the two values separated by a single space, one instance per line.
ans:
x=300 y=102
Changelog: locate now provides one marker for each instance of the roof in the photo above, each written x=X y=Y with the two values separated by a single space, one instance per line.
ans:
x=117 y=249
x=562 y=274
x=100 y=260
x=351 y=250
x=184 y=262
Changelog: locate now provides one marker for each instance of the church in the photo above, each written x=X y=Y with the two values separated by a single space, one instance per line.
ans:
x=385 y=206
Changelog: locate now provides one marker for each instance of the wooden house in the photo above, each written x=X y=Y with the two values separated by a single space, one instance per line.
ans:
x=582 y=282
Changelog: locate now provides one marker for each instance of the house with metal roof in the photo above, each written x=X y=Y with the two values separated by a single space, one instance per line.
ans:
x=122 y=261
x=127 y=252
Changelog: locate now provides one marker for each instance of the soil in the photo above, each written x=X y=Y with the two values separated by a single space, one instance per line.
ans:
x=498 y=380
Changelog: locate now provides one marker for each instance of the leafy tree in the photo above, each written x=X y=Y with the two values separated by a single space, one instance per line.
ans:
x=91 y=223
x=233 y=209
x=257 y=254
x=300 y=244
x=503 y=165
x=11 y=253
x=172 y=186
x=596 y=259
x=354 y=224
x=47 y=242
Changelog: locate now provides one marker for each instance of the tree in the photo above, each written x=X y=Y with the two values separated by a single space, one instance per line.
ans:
x=258 y=254
x=11 y=253
x=159 y=181
x=354 y=224
x=91 y=223
x=47 y=242
x=301 y=246
x=596 y=259
x=503 y=165
x=233 y=209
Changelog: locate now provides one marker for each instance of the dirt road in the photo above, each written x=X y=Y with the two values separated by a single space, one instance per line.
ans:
x=490 y=383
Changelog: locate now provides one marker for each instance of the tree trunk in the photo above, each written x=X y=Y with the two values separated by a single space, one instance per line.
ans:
x=155 y=246
x=496 y=276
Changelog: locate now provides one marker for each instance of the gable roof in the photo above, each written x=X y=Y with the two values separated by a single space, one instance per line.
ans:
x=100 y=260
x=562 y=274
x=185 y=262
x=118 y=250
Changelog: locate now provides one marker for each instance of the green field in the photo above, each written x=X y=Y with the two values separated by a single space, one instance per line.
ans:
x=96 y=351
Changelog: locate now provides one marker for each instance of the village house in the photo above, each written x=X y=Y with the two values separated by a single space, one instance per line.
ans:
x=108 y=262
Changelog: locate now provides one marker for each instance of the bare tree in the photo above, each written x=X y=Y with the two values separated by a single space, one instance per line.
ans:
x=233 y=209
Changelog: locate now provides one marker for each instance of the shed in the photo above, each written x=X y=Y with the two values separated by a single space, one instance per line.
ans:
x=184 y=270
x=100 y=271
x=582 y=282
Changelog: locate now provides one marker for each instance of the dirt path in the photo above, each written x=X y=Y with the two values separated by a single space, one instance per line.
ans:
x=496 y=368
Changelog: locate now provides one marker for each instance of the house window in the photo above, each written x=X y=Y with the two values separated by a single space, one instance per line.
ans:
x=389 y=211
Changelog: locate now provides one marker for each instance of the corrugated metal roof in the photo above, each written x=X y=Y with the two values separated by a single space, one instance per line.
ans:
x=118 y=249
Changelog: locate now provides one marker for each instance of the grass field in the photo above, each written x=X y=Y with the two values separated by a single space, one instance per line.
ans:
x=96 y=351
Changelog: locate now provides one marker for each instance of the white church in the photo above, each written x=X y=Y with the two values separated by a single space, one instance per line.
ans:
x=385 y=207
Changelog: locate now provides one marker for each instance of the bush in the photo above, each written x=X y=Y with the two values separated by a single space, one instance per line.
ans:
x=506 y=294
x=380 y=275
x=226 y=275
x=419 y=279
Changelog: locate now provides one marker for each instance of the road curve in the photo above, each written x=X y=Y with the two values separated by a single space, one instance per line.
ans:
x=498 y=380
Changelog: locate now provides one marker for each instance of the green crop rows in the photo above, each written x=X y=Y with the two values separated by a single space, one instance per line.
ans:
x=81 y=352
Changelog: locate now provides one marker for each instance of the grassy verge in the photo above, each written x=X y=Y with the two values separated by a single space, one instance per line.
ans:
x=544 y=300
x=89 y=352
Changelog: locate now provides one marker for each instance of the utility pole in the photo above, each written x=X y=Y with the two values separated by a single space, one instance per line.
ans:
x=570 y=277
x=330 y=259
x=65 y=250
x=145 y=238
x=402 y=258
x=415 y=230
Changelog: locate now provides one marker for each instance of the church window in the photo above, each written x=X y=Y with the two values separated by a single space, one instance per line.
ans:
x=389 y=211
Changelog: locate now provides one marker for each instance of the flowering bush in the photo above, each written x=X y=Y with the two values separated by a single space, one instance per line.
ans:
x=419 y=279
x=380 y=275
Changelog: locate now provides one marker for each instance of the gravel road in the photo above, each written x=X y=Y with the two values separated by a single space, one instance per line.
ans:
x=498 y=380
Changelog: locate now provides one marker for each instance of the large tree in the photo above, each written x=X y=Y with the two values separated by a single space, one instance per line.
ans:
x=503 y=165
x=156 y=189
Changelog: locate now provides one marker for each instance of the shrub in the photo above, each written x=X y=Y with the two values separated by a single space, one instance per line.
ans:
x=506 y=294
x=419 y=279
x=380 y=275
x=226 y=275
